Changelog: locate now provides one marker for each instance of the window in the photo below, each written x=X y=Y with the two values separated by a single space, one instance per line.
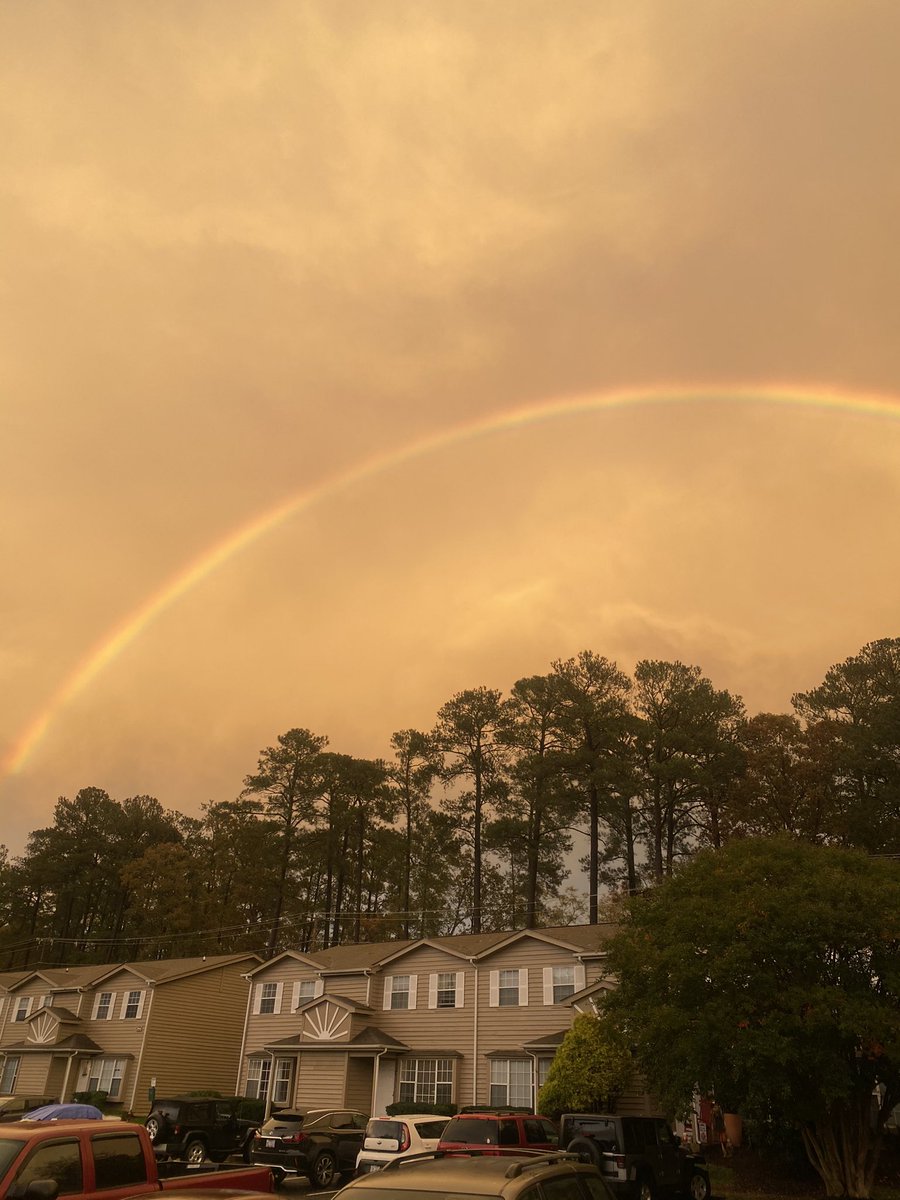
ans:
x=543 y=1070
x=105 y=1075
x=259 y=1072
x=8 y=1076
x=426 y=1080
x=103 y=1006
x=400 y=991
x=58 y=1160
x=132 y=1004
x=509 y=988
x=445 y=989
x=511 y=1083
x=563 y=1187
x=284 y=1078
x=23 y=1008
x=306 y=989
x=118 y=1160
x=561 y=982
x=267 y=998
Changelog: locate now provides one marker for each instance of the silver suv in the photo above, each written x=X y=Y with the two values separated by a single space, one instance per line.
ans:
x=517 y=1176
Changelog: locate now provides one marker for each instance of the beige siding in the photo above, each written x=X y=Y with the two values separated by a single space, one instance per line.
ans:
x=194 y=1034
x=265 y=1028
x=321 y=1079
x=360 y=1076
x=32 y=1077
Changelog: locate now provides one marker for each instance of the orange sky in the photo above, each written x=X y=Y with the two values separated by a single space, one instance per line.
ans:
x=253 y=247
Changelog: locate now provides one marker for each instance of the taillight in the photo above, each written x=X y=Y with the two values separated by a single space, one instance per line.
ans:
x=619 y=1160
x=404 y=1144
x=294 y=1138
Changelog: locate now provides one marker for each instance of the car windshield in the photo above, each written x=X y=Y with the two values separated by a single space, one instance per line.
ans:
x=9 y=1148
x=284 y=1122
x=468 y=1129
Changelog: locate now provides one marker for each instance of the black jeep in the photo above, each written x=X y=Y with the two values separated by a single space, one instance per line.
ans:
x=640 y=1158
x=193 y=1128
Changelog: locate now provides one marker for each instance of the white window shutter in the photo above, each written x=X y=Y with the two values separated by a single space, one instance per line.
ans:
x=140 y=1005
x=96 y=1006
x=320 y=987
x=548 y=985
x=579 y=976
x=460 y=989
x=387 y=992
x=257 y=995
x=494 y=991
x=295 y=997
x=432 y=990
x=413 y=989
x=523 y=986
x=279 y=989
x=123 y=1006
x=112 y=1007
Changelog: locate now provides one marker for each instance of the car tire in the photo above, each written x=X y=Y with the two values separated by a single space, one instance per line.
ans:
x=324 y=1170
x=219 y=1157
x=278 y=1176
x=154 y=1128
x=195 y=1151
x=586 y=1150
x=646 y=1189
x=698 y=1186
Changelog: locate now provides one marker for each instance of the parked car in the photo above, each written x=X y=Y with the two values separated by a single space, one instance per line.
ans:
x=389 y=1138
x=14 y=1108
x=640 y=1158
x=65 y=1112
x=193 y=1128
x=508 y=1177
x=499 y=1129
x=319 y=1143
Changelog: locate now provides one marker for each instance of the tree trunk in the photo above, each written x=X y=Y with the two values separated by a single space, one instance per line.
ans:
x=844 y=1149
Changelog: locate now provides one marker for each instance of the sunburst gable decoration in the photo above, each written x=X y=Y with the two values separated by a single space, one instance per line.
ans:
x=43 y=1029
x=326 y=1022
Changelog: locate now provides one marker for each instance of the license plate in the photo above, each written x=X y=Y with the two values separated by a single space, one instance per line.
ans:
x=270 y=1143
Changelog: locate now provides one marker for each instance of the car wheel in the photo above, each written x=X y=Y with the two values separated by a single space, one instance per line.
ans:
x=324 y=1170
x=646 y=1190
x=586 y=1150
x=195 y=1151
x=698 y=1186
x=278 y=1176
x=219 y=1157
x=154 y=1129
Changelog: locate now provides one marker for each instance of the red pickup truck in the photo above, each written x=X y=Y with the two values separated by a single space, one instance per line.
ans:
x=102 y=1160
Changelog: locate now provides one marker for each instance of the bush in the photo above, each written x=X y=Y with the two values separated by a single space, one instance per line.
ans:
x=413 y=1106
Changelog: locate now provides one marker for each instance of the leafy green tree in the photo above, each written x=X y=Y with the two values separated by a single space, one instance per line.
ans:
x=468 y=735
x=416 y=765
x=857 y=710
x=768 y=974
x=596 y=728
x=591 y=1068
x=287 y=783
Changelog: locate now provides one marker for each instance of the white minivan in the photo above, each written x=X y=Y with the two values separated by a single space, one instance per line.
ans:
x=388 y=1138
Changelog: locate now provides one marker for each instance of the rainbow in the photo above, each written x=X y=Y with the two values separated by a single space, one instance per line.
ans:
x=134 y=624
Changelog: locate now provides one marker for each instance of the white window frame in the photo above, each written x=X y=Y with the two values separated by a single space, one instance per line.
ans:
x=501 y=1086
x=495 y=989
x=424 y=1080
x=106 y=1075
x=131 y=1009
x=555 y=991
x=108 y=1007
x=10 y=1074
x=457 y=989
x=297 y=998
x=259 y=1080
x=258 y=997
x=392 y=992
x=283 y=1081
x=23 y=1008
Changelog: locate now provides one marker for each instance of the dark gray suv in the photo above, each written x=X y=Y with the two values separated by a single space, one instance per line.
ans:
x=319 y=1143
x=640 y=1158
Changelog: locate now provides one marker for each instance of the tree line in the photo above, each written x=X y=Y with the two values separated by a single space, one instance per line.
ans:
x=469 y=826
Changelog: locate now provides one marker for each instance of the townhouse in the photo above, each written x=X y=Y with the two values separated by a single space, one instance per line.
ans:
x=174 y=1025
x=471 y=1019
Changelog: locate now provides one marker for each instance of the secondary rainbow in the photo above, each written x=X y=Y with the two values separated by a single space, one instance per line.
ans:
x=811 y=396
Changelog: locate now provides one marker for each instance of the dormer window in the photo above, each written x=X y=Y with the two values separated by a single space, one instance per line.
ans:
x=23 y=1008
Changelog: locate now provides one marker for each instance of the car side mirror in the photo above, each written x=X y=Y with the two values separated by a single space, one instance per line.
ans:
x=41 y=1189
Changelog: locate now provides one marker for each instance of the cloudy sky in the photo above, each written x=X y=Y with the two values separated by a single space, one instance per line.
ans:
x=356 y=352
